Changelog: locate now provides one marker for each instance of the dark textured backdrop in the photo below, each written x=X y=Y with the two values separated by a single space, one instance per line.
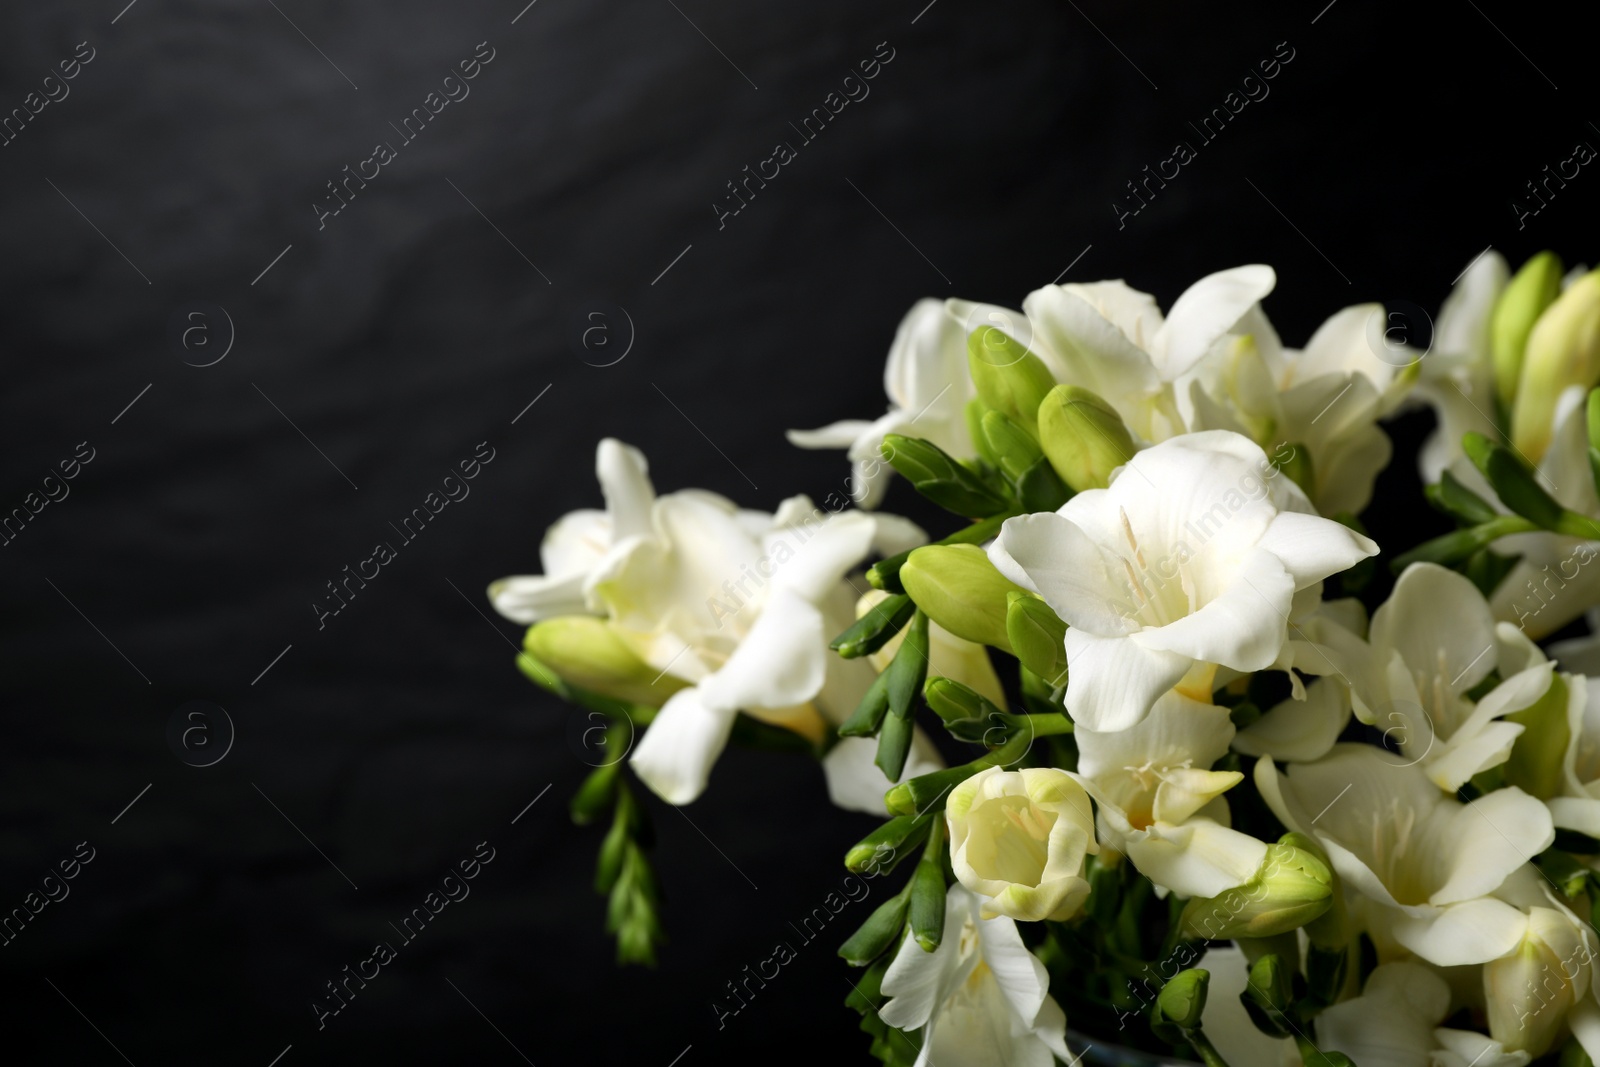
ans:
x=188 y=153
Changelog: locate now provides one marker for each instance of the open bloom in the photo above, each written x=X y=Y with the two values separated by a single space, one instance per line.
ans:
x=737 y=606
x=928 y=386
x=980 y=997
x=1190 y=558
x=1160 y=802
x=1424 y=866
x=1019 y=838
x=1432 y=642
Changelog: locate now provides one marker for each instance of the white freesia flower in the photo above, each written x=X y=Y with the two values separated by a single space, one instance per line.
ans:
x=1159 y=800
x=1191 y=558
x=738 y=604
x=1432 y=642
x=1019 y=840
x=980 y=997
x=928 y=385
x=1424 y=866
x=1395 y=1023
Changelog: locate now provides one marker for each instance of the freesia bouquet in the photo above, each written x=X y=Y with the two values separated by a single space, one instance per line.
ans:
x=1153 y=768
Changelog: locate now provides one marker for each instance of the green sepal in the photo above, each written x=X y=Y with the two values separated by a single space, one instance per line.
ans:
x=940 y=478
x=868 y=716
x=875 y=936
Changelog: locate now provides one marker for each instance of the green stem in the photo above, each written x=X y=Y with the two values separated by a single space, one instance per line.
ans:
x=1459 y=544
x=1204 y=1048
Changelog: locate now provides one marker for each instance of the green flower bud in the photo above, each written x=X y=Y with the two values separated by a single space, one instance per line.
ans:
x=869 y=714
x=875 y=628
x=1535 y=765
x=887 y=844
x=1038 y=637
x=1563 y=350
x=1019 y=457
x=894 y=745
x=877 y=934
x=1183 y=998
x=1083 y=436
x=1268 y=996
x=587 y=653
x=1531 y=290
x=941 y=479
x=927 y=899
x=1010 y=379
x=961 y=590
x=1014 y=449
x=954 y=702
x=1292 y=887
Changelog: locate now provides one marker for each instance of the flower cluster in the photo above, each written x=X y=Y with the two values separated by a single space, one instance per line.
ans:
x=1168 y=755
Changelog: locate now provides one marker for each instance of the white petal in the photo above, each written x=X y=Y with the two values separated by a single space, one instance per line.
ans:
x=781 y=661
x=1225 y=1020
x=1432 y=613
x=1054 y=557
x=1340 y=346
x=625 y=481
x=1198 y=859
x=841 y=434
x=675 y=755
x=1243 y=628
x=918 y=982
x=1206 y=311
x=1488 y=839
x=1313 y=548
x=1297 y=730
x=1474 y=931
x=575 y=542
x=855 y=782
x=1022 y=977
x=529 y=598
x=811 y=558
x=1113 y=682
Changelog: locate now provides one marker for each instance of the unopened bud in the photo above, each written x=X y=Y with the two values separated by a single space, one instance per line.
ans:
x=1083 y=436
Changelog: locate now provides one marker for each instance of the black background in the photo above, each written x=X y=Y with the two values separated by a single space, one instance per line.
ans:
x=409 y=329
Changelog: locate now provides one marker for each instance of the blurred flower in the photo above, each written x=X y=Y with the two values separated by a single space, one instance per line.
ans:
x=577 y=543
x=1395 y=1023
